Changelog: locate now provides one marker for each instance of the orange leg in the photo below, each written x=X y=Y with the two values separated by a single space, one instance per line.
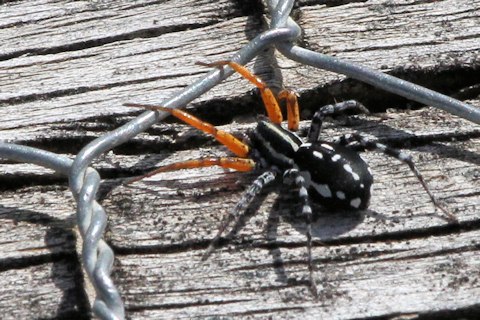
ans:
x=293 y=112
x=231 y=142
x=239 y=164
x=271 y=104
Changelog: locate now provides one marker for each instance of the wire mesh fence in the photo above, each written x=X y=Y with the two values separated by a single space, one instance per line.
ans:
x=84 y=181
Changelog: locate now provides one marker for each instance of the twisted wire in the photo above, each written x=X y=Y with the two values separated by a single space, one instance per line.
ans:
x=103 y=260
x=97 y=256
x=84 y=181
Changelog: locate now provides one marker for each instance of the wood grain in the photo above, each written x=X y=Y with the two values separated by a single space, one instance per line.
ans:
x=67 y=67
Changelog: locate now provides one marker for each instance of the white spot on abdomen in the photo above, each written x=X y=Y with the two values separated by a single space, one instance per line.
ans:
x=322 y=189
x=349 y=169
x=356 y=203
x=326 y=146
x=318 y=155
x=340 y=195
x=336 y=157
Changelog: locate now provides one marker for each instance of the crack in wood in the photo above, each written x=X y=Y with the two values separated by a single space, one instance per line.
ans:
x=76 y=46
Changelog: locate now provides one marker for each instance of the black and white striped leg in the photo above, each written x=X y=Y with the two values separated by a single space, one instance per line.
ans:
x=247 y=198
x=331 y=109
x=402 y=156
x=292 y=176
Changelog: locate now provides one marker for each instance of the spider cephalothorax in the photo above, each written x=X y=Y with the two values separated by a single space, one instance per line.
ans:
x=331 y=174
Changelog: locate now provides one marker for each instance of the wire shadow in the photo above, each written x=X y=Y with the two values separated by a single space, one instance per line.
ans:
x=66 y=267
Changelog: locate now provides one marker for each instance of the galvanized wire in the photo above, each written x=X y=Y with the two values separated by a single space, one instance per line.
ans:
x=373 y=77
x=108 y=304
x=84 y=181
x=36 y=156
x=96 y=254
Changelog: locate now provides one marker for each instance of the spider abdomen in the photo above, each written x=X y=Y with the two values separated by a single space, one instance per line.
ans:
x=337 y=177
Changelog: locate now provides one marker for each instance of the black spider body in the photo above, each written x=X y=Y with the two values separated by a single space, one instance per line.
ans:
x=332 y=174
x=338 y=176
x=335 y=176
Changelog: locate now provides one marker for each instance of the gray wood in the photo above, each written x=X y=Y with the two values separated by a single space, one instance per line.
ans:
x=43 y=290
x=434 y=36
x=399 y=257
x=35 y=221
x=65 y=70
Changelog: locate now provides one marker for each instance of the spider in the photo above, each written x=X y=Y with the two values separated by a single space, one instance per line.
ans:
x=330 y=174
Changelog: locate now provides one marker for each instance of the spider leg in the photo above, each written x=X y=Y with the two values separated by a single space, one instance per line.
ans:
x=293 y=175
x=331 y=109
x=269 y=100
x=239 y=164
x=293 y=111
x=247 y=198
x=403 y=157
x=234 y=144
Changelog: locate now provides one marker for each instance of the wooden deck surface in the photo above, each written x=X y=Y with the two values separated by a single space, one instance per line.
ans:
x=67 y=67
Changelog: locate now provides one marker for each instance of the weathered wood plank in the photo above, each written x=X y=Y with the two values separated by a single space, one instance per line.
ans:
x=36 y=222
x=93 y=80
x=368 y=33
x=96 y=80
x=398 y=250
x=94 y=85
x=68 y=25
x=41 y=276
x=43 y=291
x=197 y=196
x=359 y=280
x=65 y=70
x=416 y=40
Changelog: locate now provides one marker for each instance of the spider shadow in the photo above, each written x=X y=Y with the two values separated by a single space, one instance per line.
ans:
x=142 y=166
x=221 y=182
x=325 y=226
